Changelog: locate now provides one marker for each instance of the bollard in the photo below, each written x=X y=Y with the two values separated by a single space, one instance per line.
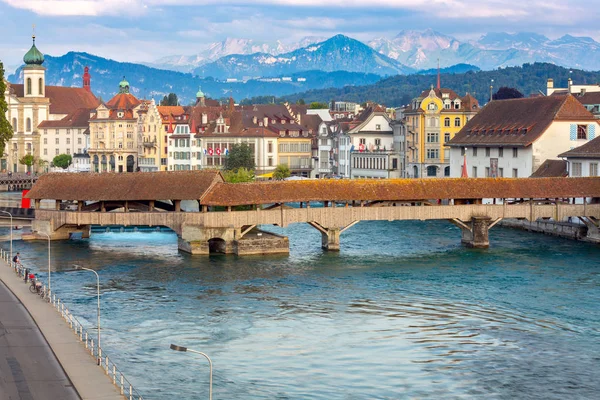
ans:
x=130 y=393
x=106 y=367
x=26 y=274
x=122 y=386
x=114 y=374
x=86 y=341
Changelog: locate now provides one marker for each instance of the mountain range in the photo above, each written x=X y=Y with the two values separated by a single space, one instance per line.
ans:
x=412 y=50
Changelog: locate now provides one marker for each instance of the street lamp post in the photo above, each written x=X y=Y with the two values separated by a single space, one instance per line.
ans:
x=181 y=348
x=49 y=281
x=77 y=267
x=11 y=233
x=491 y=89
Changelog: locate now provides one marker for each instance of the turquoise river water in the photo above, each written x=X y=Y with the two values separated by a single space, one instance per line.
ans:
x=402 y=312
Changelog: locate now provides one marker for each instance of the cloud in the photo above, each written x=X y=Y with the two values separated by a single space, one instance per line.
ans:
x=78 y=7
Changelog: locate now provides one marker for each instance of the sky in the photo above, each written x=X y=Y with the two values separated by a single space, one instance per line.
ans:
x=147 y=30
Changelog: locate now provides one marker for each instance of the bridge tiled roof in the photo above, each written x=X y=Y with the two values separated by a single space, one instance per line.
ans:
x=225 y=194
x=175 y=185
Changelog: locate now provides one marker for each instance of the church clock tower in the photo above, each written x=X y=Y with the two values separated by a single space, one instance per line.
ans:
x=34 y=74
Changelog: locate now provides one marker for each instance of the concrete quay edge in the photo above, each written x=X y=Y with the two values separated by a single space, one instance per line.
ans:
x=88 y=379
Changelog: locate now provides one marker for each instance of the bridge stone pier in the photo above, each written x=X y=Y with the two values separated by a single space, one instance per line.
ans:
x=228 y=217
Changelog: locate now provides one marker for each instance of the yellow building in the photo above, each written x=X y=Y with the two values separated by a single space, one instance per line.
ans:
x=150 y=130
x=432 y=120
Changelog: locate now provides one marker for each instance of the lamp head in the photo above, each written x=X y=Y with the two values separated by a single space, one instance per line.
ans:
x=178 y=348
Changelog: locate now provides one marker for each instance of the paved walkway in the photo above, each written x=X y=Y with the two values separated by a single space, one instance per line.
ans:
x=29 y=370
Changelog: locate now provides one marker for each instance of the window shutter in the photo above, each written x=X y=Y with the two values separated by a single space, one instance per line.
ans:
x=573 y=132
x=591 y=131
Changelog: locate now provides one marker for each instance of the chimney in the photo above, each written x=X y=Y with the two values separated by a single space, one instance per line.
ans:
x=87 y=79
x=204 y=119
x=550 y=84
x=254 y=120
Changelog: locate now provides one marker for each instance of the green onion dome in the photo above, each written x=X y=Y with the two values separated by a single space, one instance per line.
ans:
x=199 y=94
x=33 y=56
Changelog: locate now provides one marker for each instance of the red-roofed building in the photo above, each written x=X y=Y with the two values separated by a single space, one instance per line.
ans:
x=513 y=138
x=33 y=103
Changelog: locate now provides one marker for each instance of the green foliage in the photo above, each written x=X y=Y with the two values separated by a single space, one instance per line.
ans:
x=282 y=171
x=28 y=160
x=241 y=175
x=505 y=93
x=240 y=156
x=170 y=100
x=6 y=131
x=315 y=105
x=301 y=102
x=399 y=90
x=62 y=161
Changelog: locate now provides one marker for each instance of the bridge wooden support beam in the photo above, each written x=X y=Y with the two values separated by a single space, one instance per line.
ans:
x=330 y=237
x=593 y=229
x=475 y=233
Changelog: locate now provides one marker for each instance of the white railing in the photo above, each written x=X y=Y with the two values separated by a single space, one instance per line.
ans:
x=108 y=366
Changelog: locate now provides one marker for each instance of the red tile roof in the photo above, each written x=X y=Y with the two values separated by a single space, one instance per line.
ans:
x=63 y=100
x=176 y=185
x=123 y=101
x=224 y=194
x=77 y=119
x=551 y=168
x=519 y=122
x=589 y=150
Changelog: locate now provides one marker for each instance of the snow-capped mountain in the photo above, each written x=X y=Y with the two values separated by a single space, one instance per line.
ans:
x=339 y=53
x=214 y=51
x=423 y=49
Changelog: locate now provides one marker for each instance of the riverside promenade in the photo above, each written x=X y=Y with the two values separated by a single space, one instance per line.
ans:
x=40 y=356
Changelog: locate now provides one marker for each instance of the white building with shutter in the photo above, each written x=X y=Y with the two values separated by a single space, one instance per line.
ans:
x=512 y=138
x=583 y=161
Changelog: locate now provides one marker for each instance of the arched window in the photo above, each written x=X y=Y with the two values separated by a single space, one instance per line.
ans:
x=14 y=124
x=41 y=87
x=28 y=85
x=447 y=171
x=457 y=121
x=28 y=125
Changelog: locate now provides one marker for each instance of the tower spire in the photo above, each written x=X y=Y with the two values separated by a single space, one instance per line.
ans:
x=439 y=80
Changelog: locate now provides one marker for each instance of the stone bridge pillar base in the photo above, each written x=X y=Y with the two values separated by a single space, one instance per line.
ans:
x=39 y=230
x=330 y=240
x=593 y=229
x=475 y=232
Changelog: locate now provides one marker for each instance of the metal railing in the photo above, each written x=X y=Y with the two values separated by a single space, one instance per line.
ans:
x=104 y=361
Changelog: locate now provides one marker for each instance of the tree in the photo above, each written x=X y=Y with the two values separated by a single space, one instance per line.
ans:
x=315 y=105
x=240 y=176
x=28 y=160
x=170 y=100
x=301 y=102
x=6 y=131
x=62 y=161
x=240 y=156
x=282 y=171
x=505 y=93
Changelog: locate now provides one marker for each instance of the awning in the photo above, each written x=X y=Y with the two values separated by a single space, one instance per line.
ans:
x=267 y=175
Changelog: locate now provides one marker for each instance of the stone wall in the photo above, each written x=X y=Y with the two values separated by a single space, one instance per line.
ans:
x=561 y=229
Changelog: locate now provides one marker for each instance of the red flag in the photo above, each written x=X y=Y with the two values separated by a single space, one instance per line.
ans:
x=464 y=173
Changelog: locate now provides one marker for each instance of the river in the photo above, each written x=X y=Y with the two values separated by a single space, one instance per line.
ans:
x=403 y=311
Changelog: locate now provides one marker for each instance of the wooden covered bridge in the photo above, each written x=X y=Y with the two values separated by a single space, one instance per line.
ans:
x=227 y=216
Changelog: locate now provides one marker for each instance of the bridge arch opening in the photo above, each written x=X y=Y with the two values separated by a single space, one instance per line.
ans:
x=217 y=246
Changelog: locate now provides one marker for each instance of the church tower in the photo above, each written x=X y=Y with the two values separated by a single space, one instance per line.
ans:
x=87 y=79
x=34 y=74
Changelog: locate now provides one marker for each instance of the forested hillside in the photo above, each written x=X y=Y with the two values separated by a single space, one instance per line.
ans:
x=399 y=90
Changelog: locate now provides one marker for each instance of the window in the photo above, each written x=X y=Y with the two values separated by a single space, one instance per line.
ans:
x=446 y=121
x=515 y=152
x=363 y=141
x=394 y=163
x=28 y=85
x=78 y=140
x=576 y=170
x=487 y=151
x=515 y=173
x=487 y=172
x=14 y=125
x=377 y=142
x=28 y=125
x=45 y=140
x=501 y=152
x=446 y=137
x=582 y=132
x=474 y=151
x=270 y=147
x=447 y=171
x=45 y=152
x=68 y=140
x=432 y=137
x=593 y=169
x=57 y=141
x=270 y=161
x=40 y=86
x=474 y=172
x=457 y=121
x=433 y=153
x=377 y=127
x=462 y=151
x=68 y=151
x=56 y=151
x=501 y=172
x=432 y=170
